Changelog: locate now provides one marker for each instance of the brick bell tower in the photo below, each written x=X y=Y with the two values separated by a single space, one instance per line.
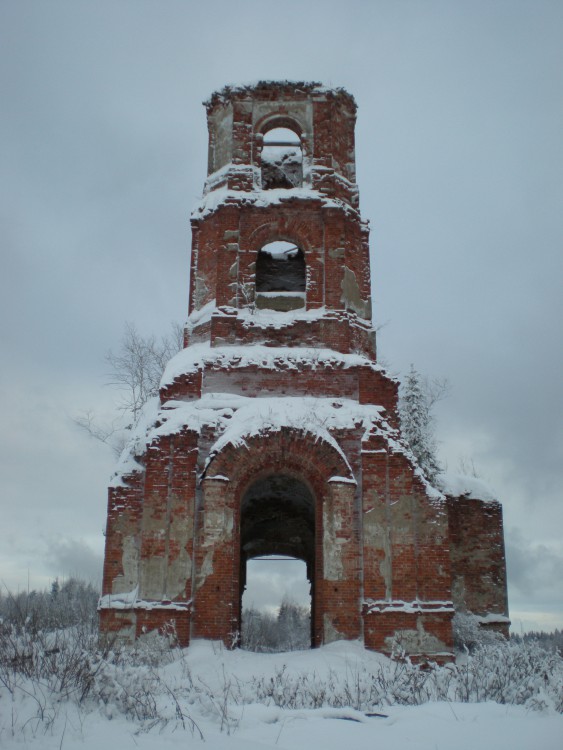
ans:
x=276 y=431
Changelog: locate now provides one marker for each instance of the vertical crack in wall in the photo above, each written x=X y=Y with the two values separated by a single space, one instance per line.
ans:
x=388 y=535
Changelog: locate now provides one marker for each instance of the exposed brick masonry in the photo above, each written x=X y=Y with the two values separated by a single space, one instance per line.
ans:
x=388 y=558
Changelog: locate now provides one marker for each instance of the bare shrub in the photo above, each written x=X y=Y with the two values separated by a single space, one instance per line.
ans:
x=469 y=634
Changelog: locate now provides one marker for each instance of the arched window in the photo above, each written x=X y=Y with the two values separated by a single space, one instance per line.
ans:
x=282 y=160
x=280 y=277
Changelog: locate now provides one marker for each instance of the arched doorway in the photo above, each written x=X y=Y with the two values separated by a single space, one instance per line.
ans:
x=278 y=519
x=277 y=490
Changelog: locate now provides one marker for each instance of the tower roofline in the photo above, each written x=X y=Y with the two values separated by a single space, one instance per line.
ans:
x=281 y=89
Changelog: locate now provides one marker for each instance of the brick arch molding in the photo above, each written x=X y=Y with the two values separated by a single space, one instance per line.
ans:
x=293 y=452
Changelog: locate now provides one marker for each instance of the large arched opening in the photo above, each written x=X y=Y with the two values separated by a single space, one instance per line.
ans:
x=283 y=491
x=277 y=526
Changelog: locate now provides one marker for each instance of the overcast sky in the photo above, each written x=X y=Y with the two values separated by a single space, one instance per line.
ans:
x=103 y=149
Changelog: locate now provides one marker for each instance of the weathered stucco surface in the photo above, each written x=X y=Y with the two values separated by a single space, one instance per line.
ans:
x=331 y=634
x=332 y=544
x=179 y=568
x=351 y=296
x=416 y=641
x=220 y=147
x=130 y=561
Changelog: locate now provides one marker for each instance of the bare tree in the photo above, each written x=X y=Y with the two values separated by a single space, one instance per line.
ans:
x=138 y=365
x=136 y=369
x=466 y=466
x=114 y=434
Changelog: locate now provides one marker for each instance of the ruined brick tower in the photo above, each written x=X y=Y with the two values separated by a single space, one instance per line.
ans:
x=276 y=431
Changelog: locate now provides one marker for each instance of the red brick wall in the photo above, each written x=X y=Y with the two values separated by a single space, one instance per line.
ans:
x=226 y=245
x=392 y=632
x=477 y=556
x=123 y=519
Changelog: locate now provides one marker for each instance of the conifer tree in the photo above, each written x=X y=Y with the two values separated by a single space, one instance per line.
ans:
x=417 y=423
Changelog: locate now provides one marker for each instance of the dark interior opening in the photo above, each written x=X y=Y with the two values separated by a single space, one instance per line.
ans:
x=280 y=267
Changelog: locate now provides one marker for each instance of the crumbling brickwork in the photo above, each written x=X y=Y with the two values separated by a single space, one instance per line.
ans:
x=276 y=431
x=478 y=560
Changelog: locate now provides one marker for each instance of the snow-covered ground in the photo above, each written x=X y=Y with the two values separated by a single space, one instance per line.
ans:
x=209 y=697
x=433 y=726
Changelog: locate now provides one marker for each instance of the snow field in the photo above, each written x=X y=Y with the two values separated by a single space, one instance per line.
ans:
x=207 y=696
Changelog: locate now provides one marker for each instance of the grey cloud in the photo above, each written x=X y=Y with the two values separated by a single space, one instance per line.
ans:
x=268 y=582
x=535 y=571
x=73 y=558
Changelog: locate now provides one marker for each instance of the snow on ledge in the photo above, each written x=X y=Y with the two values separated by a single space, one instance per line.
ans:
x=197 y=356
x=492 y=618
x=252 y=317
x=237 y=418
x=314 y=416
x=343 y=480
x=177 y=606
x=202 y=315
x=127 y=463
x=459 y=485
x=126 y=600
x=417 y=606
x=258 y=198
x=129 y=600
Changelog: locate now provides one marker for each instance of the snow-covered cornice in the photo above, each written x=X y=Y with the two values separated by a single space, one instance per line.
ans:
x=199 y=356
x=253 y=89
x=213 y=199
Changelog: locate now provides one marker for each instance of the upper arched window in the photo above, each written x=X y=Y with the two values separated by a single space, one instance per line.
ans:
x=282 y=159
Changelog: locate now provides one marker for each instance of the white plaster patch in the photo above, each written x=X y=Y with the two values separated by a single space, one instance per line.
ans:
x=130 y=562
x=330 y=633
x=206 y=569
x=218 y=523
x=415 y=641
x=333 y=568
